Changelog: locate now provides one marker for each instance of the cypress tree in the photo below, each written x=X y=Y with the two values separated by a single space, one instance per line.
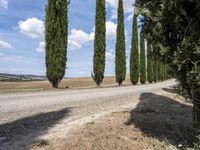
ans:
x=150 y=63
x=142 y=59
x=134 y=56
x=159 y=67
x=120 y=54
x=163 y=73
x=155 y=70
x=158 y=70
x=56 y=25
x=166 y=72
x=99 y=43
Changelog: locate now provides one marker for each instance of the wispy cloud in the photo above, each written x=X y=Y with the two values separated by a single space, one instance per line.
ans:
x=4 y=4
x=128 y=7
x=78 y=37
x=41 y=47
x=5 y=45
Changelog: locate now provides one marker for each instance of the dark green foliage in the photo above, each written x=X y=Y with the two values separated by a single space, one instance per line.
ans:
x=174 y=27
x=142 y=59
x=159 y=71
x=155 y=71
x=99 y=43
x=56 y=25
x=149 y=63
x=134 y=55
x=162 y=71
x=120 y=54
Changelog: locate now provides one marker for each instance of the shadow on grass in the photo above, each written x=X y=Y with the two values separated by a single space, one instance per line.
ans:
x=164 y=119
x=20 y=133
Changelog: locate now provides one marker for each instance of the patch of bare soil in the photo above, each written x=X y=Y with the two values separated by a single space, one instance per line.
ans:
x=159 y=122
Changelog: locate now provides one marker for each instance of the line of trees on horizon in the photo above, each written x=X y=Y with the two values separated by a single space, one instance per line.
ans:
x=144 y=64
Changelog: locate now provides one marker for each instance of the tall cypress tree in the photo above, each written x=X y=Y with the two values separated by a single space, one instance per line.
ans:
x=166 y=72
x=142 y=59
x=120 y=54
x=150 y=63
x=56 y=25
x=154 y=59
x=99 y=43
x=162 y=72
x=159 y=67
x=134 y=56
x=155 y=70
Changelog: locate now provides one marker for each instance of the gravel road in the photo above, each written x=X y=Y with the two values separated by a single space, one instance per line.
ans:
x=28 y=117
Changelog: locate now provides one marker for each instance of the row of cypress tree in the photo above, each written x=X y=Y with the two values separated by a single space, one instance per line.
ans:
x=100 y=44
x=156 y=71
x=145 y=66
x=56 y=31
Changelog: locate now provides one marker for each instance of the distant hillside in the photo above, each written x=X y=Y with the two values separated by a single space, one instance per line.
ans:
x=14 y=77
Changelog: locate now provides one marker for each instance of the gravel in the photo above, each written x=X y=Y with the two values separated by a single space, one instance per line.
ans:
x=28 y=117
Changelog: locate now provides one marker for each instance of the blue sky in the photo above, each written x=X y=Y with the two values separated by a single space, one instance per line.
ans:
x=22 y=38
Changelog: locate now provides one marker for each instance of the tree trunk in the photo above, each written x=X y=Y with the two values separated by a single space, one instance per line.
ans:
x=196 y=105
x=55 y=84
x=120 y=84
x=98 y=85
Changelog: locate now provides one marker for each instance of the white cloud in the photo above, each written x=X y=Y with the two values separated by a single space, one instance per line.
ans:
x=79 y=37
x=32 y=27
x=41 y=47
x=5 y=45
x=113 y=14
x=130 y=17
x=128 y=5
x=110 y=55
x=1 y=54
x=4 y=4
x=111 y=30
x=73 y=45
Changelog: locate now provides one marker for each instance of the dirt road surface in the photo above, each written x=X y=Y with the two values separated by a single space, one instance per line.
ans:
x=28 y=117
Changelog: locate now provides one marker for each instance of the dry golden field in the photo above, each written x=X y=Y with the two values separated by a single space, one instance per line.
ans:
x=86 y=82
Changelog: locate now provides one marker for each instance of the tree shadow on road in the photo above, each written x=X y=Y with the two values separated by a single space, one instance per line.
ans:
x=20 y=133
x=163 y=118
x=170 y=90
